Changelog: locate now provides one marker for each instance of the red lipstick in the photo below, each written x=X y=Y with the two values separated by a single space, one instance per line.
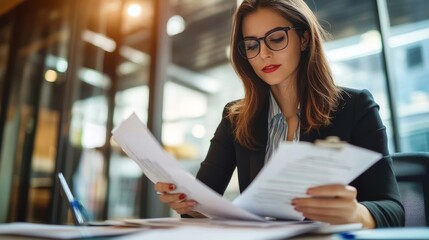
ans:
x=270 y=68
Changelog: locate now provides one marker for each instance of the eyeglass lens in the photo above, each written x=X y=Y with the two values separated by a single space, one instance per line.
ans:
x=275 y=41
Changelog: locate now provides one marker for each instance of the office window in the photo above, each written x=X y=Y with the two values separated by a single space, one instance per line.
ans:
x=5 y=30
x=89 y=109
x=201 y=80
x=414 y=57
x=354 y=51
x=409 y=44
x=5 y=173
x=132 y=95
x=30 y=136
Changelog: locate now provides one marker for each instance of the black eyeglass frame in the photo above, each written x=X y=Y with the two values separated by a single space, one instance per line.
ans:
x=241 y=43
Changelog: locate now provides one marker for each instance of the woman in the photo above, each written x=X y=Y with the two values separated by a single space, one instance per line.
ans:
x=290 y=96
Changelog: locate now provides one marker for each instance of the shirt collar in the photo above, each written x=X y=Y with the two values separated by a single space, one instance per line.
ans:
x=274 y=109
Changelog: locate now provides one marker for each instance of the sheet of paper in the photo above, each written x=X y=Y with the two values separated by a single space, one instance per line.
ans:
x=294 y=168
x=136 y=140
x=222 y=232
x=176 y=222
x=62 y=231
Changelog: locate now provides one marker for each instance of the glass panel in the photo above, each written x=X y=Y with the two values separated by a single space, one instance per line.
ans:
x=31 y=126
x=354 y=51
x=5 y=30
x=46 y=125
x=201 y=80
x=89 y=110
x=409 y=43
x=125 y=176
x=5 y=168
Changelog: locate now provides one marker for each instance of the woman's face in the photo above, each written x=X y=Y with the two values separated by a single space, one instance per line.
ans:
x=276 y=68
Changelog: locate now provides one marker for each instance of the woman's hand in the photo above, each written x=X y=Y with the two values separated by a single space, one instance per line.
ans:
x=334 y=204
x=176 y=201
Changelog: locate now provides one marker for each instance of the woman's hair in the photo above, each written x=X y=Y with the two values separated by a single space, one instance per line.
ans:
x=317 y=93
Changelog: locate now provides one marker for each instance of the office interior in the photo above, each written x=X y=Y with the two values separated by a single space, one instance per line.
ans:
x=71 y=70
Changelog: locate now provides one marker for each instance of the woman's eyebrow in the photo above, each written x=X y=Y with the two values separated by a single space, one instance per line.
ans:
x=265 y=34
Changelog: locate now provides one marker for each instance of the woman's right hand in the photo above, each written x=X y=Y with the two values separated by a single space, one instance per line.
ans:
x=176 y=201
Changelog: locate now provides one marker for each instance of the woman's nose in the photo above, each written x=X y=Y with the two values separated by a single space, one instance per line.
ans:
x=265 y=50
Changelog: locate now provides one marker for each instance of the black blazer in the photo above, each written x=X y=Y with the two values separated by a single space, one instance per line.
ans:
x=356 y=121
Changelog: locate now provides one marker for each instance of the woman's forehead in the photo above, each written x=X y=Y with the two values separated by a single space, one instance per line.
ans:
x=261 y=21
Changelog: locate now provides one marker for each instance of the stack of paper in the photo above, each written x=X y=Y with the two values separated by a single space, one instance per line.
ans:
x=62 y=231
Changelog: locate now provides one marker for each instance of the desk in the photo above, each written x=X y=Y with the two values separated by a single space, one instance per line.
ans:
x=174 y=229
x=304 y=237
x=212 y=232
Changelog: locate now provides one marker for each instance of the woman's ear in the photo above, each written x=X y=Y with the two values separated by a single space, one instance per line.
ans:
x=304 y=40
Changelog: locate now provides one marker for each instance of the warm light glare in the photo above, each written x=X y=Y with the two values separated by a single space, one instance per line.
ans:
x=134 y=10
x=199 y=131
x=175 y=25
x=99 y=40
x=51 y=76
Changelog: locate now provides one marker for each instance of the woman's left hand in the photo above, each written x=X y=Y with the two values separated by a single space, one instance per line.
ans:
x=334 y=204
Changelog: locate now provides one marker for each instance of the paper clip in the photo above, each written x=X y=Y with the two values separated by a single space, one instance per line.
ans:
x=333 y=142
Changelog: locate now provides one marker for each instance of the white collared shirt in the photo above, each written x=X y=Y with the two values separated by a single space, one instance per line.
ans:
x=277 y=128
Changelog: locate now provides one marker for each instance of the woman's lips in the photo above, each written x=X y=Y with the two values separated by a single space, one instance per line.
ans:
x=270 y=68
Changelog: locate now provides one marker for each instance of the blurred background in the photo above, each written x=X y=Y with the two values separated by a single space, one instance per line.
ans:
x=71 y=70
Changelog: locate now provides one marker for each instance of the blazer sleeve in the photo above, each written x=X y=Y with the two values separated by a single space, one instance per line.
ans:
x=377 y=187
x=217 y=168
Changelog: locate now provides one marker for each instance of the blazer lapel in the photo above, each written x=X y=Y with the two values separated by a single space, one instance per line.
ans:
x=257 y=157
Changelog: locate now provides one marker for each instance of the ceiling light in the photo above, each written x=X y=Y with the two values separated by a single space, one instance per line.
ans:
x=134 y=10
x=175 y=25
x=51 y=76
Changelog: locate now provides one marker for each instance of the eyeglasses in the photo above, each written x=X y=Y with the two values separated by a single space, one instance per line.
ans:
x=276 y=40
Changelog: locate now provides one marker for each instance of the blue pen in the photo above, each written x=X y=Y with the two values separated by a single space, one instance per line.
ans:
x=346 y=235
x=399 y=233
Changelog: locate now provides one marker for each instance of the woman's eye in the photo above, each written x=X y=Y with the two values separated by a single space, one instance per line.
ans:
x=251 y=47
x=277 y=40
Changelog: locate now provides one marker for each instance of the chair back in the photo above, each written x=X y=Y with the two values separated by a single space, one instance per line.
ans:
x=412 y=173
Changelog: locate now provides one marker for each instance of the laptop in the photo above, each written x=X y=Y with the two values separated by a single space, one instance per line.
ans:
x=79 y=213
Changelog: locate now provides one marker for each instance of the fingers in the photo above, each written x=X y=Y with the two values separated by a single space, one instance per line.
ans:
x=326 y=219
x=164 y=187
x=175 y=197
x=333 y=204
x=334 y=190
x=176 y=201
x=322 y=211
x=328 y=196
x=183 y=207
x=321 y=202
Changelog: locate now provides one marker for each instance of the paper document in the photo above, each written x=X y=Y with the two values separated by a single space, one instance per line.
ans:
x=176 y=222
x=292 y=169
x=220 y=233
x=136 y=140
x=62 y=231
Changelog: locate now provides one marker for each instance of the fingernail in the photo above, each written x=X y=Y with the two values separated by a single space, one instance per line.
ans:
x=171 y=186
x=293 y=203
x=182 y=196
x=309 y=191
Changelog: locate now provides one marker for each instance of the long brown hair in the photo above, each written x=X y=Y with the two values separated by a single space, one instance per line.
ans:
x=318 y=95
